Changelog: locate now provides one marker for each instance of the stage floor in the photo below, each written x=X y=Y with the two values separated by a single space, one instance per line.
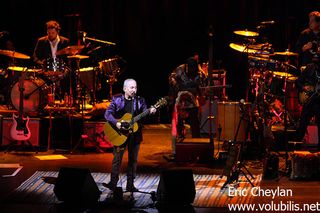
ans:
x=156 y=145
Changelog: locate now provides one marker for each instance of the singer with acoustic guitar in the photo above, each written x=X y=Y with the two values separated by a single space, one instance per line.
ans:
x=124 y=104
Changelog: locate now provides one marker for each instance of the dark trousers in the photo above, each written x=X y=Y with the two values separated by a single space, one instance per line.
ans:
x=118 y=151
x=308 y=111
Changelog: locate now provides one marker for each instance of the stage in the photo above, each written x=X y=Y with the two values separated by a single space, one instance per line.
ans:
x=156 y=144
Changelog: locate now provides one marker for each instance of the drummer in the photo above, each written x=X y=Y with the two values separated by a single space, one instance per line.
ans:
x=45 y=56
x=47 y=46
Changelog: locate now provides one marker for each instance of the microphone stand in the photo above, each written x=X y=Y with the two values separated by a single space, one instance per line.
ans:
x=98 y=40
x=210 y=67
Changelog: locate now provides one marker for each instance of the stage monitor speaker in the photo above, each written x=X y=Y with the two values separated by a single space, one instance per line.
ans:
x=198 y=150
x=76 y=185
x=176 y=186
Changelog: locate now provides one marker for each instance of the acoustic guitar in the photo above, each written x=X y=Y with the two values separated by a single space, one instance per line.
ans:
x=119 y=136
x=20 y=130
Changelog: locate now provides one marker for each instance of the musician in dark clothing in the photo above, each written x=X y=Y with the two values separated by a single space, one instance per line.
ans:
x=120 y=105
x=308 y=83
x=47 y=46
x=54 y=66
x=309 y=41
x=184 y=84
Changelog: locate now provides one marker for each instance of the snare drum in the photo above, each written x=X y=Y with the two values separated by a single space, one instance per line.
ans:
x=54 y=68
x=35 y=93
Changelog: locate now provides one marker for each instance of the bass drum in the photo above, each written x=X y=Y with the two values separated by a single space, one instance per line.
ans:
x=35 y=95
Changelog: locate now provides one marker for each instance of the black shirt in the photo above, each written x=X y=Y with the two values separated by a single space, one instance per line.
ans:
x=308 y=56
x=127 y=106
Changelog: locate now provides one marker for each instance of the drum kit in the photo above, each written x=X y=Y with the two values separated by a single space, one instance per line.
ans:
x=44 y=86
x=271 y=78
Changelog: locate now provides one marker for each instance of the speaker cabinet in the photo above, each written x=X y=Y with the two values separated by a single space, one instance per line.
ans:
x=195 y=150
x=76 y=185
x=34 y=126
x=176 y=186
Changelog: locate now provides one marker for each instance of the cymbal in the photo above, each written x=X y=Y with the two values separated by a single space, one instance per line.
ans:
x=260 y=58
x=286 y=53
x=23 y=69
x=78 y=56
x=70 y=50
x=87 y=69
x=14 y=54
x=245 y=49
x=289 y=76
x=246 y=33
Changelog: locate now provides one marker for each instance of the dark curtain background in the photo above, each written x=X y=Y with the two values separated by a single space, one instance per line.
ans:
x=156 y=36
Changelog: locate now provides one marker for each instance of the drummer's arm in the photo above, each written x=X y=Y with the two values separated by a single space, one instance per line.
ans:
x=37 y=54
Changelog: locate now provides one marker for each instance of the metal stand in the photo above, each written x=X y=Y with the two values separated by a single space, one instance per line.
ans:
x=238 y=166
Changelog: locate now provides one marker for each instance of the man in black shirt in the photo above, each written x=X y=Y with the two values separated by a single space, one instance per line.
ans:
x=309 y=41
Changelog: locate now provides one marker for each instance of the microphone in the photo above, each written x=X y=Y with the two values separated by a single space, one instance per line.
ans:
x=3 y=33
x=241 y=105
x=133 y=95
x=84 y=35
x=267 y=22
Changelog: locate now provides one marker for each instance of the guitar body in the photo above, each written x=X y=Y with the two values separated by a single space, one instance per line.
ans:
x=305 y=96
x=20 y=130
x=116 y=136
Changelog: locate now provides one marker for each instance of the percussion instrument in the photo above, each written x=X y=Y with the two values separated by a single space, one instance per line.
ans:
x=35 y=95
x=229 y=115
x=70 y=50
x=14 y=54
x=246 y=33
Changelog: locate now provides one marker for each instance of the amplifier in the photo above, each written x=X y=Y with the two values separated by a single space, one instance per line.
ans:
x=34 y=126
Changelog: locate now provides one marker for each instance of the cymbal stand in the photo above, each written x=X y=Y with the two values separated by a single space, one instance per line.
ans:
x=285 y=117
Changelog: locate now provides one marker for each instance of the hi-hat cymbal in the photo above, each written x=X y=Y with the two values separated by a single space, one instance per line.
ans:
x=279 y=74
x=286 y=53
x=241 y=48
x=78 y=56
x=14 y=54
x=70 y=50
x=246 y=33
x=247 y=49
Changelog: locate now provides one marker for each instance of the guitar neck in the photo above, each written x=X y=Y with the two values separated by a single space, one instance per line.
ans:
x=141 y=115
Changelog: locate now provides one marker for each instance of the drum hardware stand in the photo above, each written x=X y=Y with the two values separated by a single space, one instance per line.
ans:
x=285 y=117
x=94 y=136
x=238 y=166
x=210 y=83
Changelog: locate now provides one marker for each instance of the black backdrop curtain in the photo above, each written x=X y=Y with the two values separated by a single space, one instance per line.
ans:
x=156 y=36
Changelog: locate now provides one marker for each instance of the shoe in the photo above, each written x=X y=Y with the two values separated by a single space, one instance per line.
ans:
x=131 y=189
x=110 y=186
x=170 y=158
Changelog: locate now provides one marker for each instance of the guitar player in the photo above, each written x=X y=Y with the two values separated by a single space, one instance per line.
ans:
x=120 y=105
x=309 y=81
